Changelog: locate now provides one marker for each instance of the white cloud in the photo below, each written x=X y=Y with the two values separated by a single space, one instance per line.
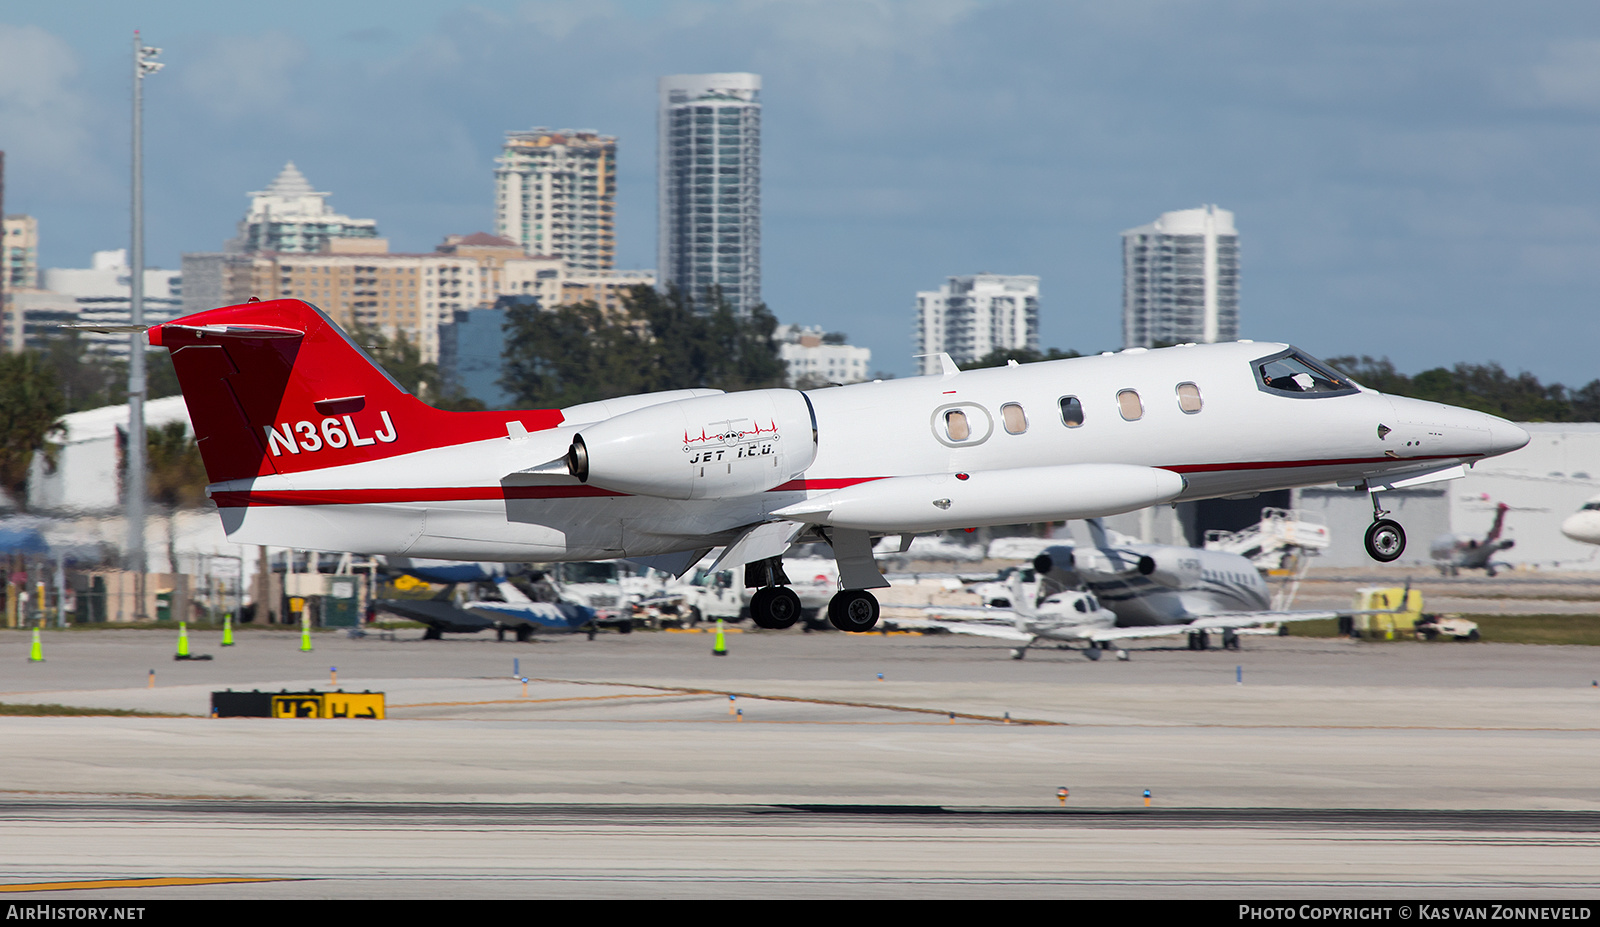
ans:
x=46 y=122
x=1570 y=74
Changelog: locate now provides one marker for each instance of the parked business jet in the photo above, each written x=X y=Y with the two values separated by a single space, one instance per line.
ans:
x=1584 y=524
x=1138 y=591
x=1467 y=553
x=308 y=443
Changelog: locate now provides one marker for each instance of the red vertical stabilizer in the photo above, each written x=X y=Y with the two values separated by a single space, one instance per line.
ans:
x=278 y=387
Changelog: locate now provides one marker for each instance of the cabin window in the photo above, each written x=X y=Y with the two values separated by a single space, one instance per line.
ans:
x=955 y=425
x=1129 y=405
x=1016 y=421
x=1189 y=397
x=1071 y=411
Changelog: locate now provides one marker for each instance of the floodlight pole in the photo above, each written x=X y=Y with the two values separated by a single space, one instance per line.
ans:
x=136 y=488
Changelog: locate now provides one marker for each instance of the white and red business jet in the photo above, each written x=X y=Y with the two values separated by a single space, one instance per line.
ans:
x=309 y=444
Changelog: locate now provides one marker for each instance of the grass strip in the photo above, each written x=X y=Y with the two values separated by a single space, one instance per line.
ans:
x=14 y=710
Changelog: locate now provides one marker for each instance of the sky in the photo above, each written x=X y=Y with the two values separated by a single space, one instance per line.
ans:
x=1412 y=180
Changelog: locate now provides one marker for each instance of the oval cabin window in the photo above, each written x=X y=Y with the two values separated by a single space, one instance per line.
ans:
x=955 y=425
x=1016 y=421
x=1071 y=411
x=1129 y=405
x=1189 y=397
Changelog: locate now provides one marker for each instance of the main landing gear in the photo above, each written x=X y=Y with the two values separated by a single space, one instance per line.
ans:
x=854 y=610
x=774 y=608
x=1385 y=539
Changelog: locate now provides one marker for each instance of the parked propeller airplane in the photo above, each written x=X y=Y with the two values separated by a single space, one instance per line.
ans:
x=308 y=443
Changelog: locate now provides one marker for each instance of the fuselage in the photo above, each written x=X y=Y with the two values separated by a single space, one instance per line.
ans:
x=1208 y=413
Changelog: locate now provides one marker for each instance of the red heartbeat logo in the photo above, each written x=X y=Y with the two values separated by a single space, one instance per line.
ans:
x=723 y=436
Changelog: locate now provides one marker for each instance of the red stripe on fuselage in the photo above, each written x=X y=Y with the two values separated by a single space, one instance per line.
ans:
x=238 y=499
x=1294 y=464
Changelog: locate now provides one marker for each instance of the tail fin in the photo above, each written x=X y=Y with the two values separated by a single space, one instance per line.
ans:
x=278 y=387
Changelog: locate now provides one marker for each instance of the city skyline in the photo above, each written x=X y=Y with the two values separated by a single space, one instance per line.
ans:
x=1410 y=178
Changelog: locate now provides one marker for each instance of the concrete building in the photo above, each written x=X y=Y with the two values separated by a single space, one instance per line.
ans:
x=815 y=358
x=19 y=253
x=289 y=217
x=708 y=174
x=33 y=317
x=1180 y=279
x=103 y=293
x=973 y=316
x=556 y=194
x=413 y=294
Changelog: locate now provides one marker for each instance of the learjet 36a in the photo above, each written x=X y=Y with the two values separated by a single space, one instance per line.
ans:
x=309 y=444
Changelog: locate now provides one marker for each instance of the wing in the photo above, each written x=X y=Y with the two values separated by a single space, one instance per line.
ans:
x=1000 y=631
x=1215 y=622
x=971 y=613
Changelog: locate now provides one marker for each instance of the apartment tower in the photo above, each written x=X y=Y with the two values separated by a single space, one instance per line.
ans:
x=1180 y=279
x=976 y=315
x=708 y=165
x=556 y=195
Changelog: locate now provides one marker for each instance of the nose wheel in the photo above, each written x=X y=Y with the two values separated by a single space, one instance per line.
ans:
x=1386 y=540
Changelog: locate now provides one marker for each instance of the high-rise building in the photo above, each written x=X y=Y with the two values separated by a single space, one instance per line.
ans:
x=556 y=194
x=708 y=174
x=1180 y=279
x=19 y=253
x=974 y=316
x=289 y=217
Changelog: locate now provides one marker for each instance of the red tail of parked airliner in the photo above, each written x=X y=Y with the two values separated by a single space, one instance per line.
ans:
x=278 y=387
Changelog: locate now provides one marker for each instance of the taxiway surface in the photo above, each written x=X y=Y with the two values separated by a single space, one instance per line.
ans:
x=627 y=769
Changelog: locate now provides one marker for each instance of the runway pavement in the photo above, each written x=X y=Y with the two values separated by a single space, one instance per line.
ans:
x=622 y=771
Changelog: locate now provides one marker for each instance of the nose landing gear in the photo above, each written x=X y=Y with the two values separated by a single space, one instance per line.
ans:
x=1385 y=539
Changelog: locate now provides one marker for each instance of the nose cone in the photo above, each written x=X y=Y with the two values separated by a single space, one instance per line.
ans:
x=1504 y=436
x=1583 y=526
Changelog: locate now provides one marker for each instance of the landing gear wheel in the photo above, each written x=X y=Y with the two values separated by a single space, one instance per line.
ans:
x=1122 y=655
x=853 y=610
x=695 y=615
x=1018 y=654
x=524 y=634
x=1386 y=541
x=1093 y=653
x=775 y=608
x=432 y=634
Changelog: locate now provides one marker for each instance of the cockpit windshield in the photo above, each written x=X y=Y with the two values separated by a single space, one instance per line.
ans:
x=1297 y=372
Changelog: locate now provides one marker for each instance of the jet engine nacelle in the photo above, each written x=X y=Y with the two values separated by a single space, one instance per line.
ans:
x=711 y=447
x=1174 y=572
